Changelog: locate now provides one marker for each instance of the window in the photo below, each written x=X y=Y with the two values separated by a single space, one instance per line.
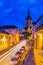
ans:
x=6 y=37
x=1 y=36
x=30 y=27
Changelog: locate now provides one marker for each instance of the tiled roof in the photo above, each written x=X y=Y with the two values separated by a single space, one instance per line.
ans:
x=2 y=31
x=34 y=23
x=39 y=18
x=40 y=27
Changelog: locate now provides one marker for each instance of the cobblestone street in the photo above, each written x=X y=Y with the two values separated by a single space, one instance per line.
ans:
x=29 y=60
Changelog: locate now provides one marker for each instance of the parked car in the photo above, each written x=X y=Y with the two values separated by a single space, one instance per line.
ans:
x=23 y=47
x=15 y=60
x=19 y=53
x=22 y=50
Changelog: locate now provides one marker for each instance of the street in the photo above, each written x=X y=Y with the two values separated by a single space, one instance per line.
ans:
x=6 y=58
x=30 y=57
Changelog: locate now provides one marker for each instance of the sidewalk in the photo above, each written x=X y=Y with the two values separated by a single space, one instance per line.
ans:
x=29 y=60
x=5 y=50
x=38 y=54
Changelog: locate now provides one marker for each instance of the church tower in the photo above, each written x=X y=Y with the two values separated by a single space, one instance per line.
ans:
x=29 y=25
x=27 y=30
x=29 y=20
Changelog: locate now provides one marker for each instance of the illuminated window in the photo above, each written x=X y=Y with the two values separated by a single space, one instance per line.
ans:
x=1 y=36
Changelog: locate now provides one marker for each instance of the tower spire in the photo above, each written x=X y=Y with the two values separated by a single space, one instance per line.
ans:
x=28 y=13
x=28 y=17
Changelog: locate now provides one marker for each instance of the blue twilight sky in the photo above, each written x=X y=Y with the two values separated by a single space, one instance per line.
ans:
x=15 y=11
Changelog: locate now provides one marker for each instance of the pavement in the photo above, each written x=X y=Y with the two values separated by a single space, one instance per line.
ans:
x=5 y=50
x=29 y=60
x=38 y=54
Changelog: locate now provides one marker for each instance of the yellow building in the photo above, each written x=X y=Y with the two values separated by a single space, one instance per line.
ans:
x=39 y=38
x=5 y=41
x=10 y=40
x=14 y=38
x=38 y=50
x=38 y=33
x=17 y=36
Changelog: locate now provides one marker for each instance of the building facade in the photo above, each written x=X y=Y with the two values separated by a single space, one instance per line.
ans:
x=5 y=40
x=11 y=36
x=38 y=33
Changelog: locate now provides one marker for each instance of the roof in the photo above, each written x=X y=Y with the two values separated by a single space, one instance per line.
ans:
x=39 y=18
x=2 y=31
x=8 y=26
x=34 y=23
x=40 y=27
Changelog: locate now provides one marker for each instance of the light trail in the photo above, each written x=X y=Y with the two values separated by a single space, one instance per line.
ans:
x=12 y=52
